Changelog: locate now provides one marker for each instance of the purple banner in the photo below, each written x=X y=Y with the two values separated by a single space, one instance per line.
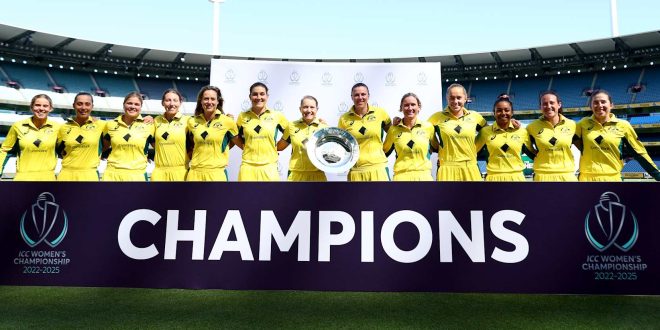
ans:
x=452 y=237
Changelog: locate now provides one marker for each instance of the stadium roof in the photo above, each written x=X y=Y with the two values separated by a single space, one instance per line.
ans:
x=40 y=47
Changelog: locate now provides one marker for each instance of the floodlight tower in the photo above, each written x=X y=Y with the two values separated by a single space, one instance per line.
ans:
x=614 y=14
x=216 y=26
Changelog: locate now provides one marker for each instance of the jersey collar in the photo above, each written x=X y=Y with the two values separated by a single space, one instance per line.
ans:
x=498 y=128
x=49 y=122
x=448 y=112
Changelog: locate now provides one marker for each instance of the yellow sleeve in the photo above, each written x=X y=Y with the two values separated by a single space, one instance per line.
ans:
x=388 y=145
x=480 y=141
x=283 y=122
x=641 y=155
x=340 y=123
x=233 y=127
x=481 y=123
x=7 y=146
x=387 y=121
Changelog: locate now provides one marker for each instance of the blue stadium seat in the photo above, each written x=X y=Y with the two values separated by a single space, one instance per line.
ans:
x=641 y=120
x=482 y=166
x=651 y=81
x=525 y=92
x=618 y=83
x=115 y=85
x=153 y=88
x=28 y=76
x=189 y=89
x=633 y=167
x=484 y=93
x=73 y=81
x=570 y=88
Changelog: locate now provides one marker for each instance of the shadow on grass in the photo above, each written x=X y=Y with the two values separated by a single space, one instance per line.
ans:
x=55 y=307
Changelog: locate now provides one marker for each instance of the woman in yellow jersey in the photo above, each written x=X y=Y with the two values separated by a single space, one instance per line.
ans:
x=258 y=128
x=413 y=140
x=602 y=137
x=368 y=125
x=552 y=136
x=210 y=134
x=128 y=137
x=457 y=128
x=79 y=142
x=297 y=133
x=169 y=141
x=33 y=141
x=504 y=144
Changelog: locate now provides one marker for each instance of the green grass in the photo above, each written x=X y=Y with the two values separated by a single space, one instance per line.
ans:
x=56 y=307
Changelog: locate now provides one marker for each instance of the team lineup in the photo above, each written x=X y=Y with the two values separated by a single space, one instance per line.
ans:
x=196 y=148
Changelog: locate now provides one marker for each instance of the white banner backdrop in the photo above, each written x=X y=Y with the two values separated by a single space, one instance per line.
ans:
x=331 y=84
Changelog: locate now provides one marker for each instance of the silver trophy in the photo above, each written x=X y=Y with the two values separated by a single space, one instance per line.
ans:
x=332 y=150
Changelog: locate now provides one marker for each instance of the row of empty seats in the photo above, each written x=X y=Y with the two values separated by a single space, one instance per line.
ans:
x=39 y=78
x=627 y=86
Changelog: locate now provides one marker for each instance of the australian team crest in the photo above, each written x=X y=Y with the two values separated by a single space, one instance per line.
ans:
x=611 y=223
x=45 y=221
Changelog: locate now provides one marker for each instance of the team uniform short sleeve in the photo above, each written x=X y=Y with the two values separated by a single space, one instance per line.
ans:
x=34 y=147
x=602 y=145
x=369 y=131
x=412 y=147
x=211 y=140
x=260 y=135
x=553 y=145
x=80 y=146
x=297 y=134
x=129 y=143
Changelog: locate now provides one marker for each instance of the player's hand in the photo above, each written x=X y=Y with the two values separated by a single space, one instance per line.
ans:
x=396 y=121
x=515 y=123
x=148 y=119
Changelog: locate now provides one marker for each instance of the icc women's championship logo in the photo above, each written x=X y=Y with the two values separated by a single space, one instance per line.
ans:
x=45 y=221
x=610 y=223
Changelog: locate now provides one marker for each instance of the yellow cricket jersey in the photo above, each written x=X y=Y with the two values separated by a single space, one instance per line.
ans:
x=34 y=147
x=457 y=135
x=211 y=140
x=553 y=145
x=504 y=148
x=368 y=131
x=412 y=146
x=297 y=134
x=260 y=135
x=129 y=143
x=602 y=146
x=80 y=146
x=170 y=141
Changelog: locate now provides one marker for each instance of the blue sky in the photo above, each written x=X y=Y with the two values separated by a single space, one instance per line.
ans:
x=333 y=28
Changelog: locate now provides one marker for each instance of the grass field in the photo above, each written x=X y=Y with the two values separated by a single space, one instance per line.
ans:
x=56 y=307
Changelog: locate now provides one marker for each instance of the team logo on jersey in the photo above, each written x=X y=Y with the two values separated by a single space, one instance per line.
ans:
x=326 y=79
x=45 y=221
x=358 y=77
x=611 y=223
x=540 y=131
x=566 y=130
x=371 y=118
x=390 y=79
x=217 y=125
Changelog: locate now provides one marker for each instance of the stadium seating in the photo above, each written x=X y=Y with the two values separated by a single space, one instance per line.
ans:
x=188 y=89
x=73 y=81
x=618 y=83
x=153 y=88
x=651 y=91
x=484 y=93
x=642 y=120
x=525 y=92
x=115 y=85
x=28 y=76
x=570 y=88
